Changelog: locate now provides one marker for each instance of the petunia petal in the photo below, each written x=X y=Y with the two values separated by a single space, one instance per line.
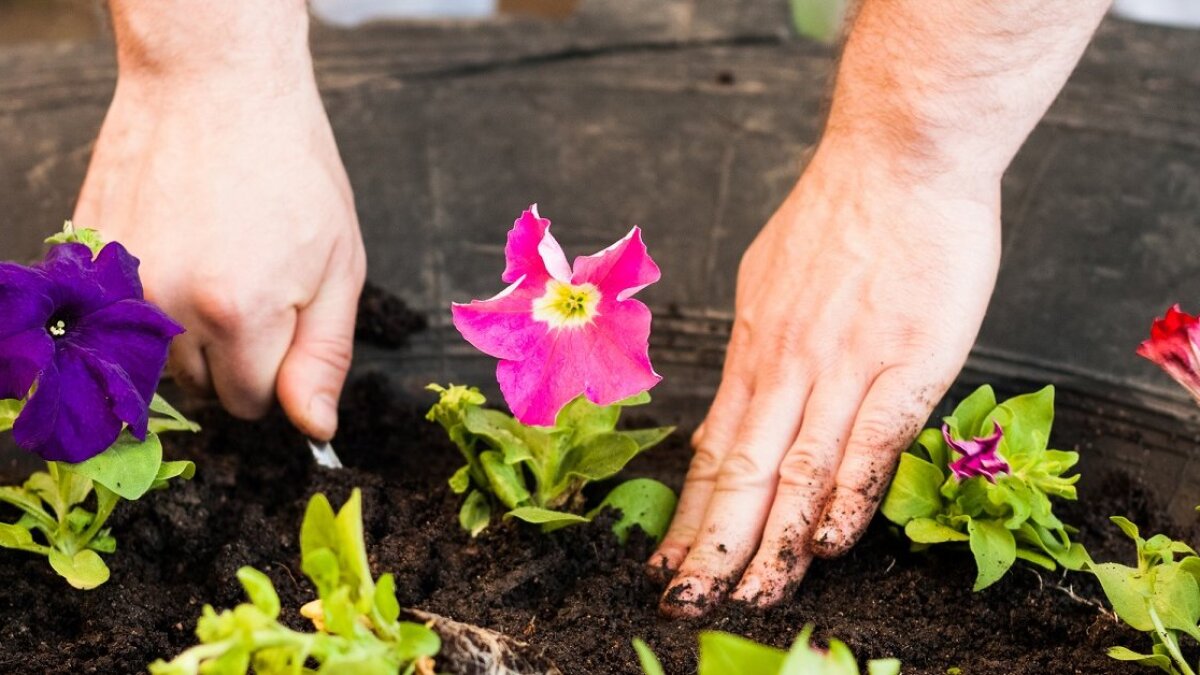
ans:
x=1173 y=345
x=621 y=270
x=533 y=253
x=133 y=335
x=22 y=358
x=116 y=272
x=126 y=402
x=24 y=299
x=607 y=361
x=502 y=326
x=68 y=418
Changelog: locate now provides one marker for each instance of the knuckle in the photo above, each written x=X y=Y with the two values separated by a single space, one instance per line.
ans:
x=806 y=467
x=334 y=353
x=743 y=468
x=221 y=311
x=706 y=463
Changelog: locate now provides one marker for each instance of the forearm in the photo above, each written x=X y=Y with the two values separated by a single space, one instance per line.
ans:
x=949 y=89
x=215 y=46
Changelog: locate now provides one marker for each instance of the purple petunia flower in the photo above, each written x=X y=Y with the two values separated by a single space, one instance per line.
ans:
x=80 y=332
x=980 y=456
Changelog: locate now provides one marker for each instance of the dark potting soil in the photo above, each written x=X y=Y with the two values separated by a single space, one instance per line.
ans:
x=577 y=595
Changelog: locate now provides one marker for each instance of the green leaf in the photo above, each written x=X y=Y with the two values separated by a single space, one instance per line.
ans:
x=914 y=491
x=169 y=470
x=929 y=531
x=1036 y=558
x=1130 y=529
x=582 y=418
x=540 y=516
x=599 y=457
x=175 y=420
x=352 y=548
x=644 y=502
x=932 y=446
x=321 y=565
x=506 y=481
x=385 y=598
x=85 y=570
x=475 y=513
x=1176 y=599
x=416 y=641
x=460 y=482
x=648 y=438
x=802 y=659
x=1128 y=592
x=260 y=590
x=883 y=667
x=1153 y=660
x=517 y=442
x=994 y=548
x=80 y=235
x=10 y=408
x=1026 y=420
x=649 y=662
x=128 y=468
x=967 y=420
x=724 y=653
x=318 y=530
x=14 y=536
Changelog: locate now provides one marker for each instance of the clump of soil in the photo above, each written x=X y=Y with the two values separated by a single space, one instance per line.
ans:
x=577 y=596
x=384 y=320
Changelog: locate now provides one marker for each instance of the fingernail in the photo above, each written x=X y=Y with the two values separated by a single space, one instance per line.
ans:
x=322 y=414
x=748 y=590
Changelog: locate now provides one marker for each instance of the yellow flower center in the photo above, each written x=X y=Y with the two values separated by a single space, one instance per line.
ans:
x=567 y=305
x=58 y=328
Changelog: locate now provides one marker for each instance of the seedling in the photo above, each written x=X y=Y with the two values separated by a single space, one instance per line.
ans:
x=1159 y=596
x=537 y=474
x=355 y=619
x=727 y=654
x=81 y=353
x=986 y=479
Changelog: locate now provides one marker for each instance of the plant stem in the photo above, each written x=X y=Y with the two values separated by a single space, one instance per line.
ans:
x=1168 y=641
x=106 y=501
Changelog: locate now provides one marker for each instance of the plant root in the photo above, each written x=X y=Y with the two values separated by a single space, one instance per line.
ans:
x=473 y=650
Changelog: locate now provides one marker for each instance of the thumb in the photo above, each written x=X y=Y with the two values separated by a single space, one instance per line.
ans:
x=314 y=370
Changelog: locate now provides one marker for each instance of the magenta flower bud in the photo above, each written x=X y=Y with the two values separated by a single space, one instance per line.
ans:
x=980 y=455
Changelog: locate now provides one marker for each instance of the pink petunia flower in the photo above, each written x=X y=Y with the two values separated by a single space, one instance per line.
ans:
x=563 y=330
x=1174 y=345
x=980 y=456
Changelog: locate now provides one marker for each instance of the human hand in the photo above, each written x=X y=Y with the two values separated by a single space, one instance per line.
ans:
x=229 y=188
x=857 y=305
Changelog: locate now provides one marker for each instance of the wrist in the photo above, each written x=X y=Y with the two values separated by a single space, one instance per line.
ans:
x=171 y=47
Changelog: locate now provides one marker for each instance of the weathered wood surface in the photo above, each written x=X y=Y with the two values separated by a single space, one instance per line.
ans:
x=689 y=117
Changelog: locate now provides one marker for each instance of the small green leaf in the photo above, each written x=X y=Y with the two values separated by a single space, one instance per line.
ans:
x=650 y=663
x=416 y=641
x=128 y=468
x=1128 y=528
x=540 y=516
x=1153 y=660
x=318 y=530
x=10 y=408
x=929 y=531
x=995 y=551
x=725 y=653
x=1036 y=558
x=971 y=412
x=914 y=492
x=582 y=418
x=13 y=536
x=931 y=446
x=169 y=470
x=260 y=590
x=78 y=235
x=352 y=548
x=85 y=570
x=1026 y=420
x=883 y=667
x=385 y=598
x=475 y=513
x=1128 y=592
x=506 y=481
x=175 y=420
x=599 y=457
x=460 y=482
x=1176 y=599
x=648 y=438
x=517 y=442
x=321 y=565
x=643 y=502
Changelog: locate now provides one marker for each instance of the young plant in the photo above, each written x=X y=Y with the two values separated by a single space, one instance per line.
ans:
x=81 y=354
x=985 y=479
x=726 y=654
x=573 y=346
x=356 y=619
x=1160 y=596
x=537 y=474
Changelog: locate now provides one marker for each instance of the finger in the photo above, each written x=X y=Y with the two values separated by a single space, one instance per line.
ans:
x=806 y=477
x=719 y=428
x=741 y=499
x=244 y=363
x=892 y=415
x=188 y=366
x=314 y=370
